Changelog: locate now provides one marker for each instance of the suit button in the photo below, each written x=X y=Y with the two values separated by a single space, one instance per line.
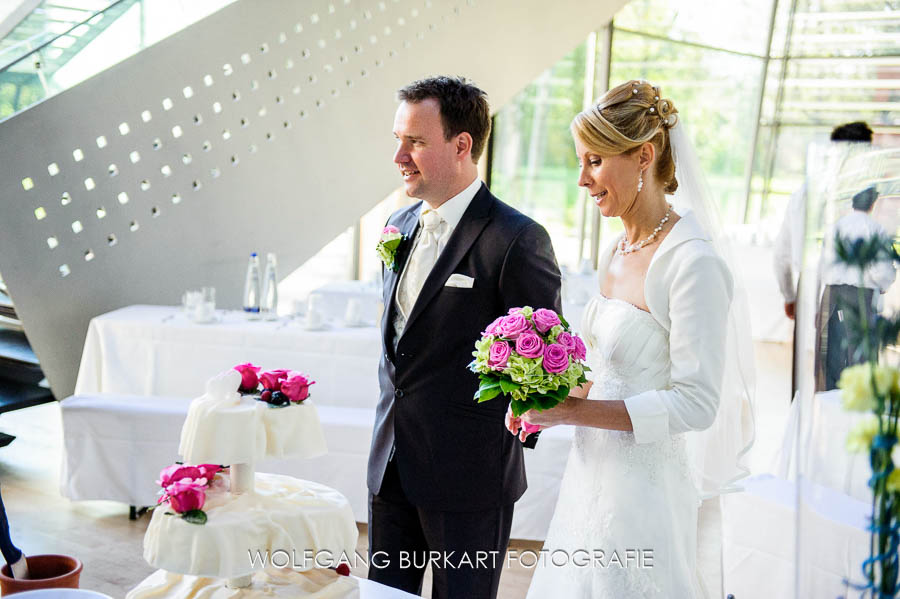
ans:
x=398 y=393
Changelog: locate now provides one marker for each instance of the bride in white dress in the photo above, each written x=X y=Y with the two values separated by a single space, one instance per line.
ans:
x=626 y=521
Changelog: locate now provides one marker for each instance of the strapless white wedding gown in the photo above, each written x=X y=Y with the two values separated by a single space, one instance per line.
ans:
x=618 y=497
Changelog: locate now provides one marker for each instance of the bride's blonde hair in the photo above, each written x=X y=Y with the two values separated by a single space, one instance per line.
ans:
x=626 y=117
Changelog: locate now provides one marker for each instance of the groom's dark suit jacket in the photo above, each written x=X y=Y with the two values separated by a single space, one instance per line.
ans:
x=452 y=453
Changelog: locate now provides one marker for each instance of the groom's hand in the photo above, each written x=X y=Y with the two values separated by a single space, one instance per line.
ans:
x=513 y=424
x=517 y=427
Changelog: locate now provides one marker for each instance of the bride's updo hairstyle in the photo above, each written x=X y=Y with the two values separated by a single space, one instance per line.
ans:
x=627 y=117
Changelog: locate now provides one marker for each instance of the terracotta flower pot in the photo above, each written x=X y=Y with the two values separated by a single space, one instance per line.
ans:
x=47 y=572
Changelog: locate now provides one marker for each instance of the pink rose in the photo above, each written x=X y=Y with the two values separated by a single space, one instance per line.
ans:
x=492 y=328
x=272 y=379
x=544 y=319
x=556 y=358
x=209 y=471
x=529 y=345
x=513 y=325
x=499 y=355
x=580 y=349
x=178 y=472
x=296 y=387
x=249 y=376
x=567 y=341
x=515 y=311
x=184 y=497
x=390 y=229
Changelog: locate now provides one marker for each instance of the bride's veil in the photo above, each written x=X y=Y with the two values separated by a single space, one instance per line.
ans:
x=718 y=454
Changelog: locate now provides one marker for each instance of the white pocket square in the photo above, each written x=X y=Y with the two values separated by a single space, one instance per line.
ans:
x=458 y=280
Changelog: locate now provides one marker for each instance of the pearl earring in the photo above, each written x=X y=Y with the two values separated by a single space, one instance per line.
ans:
x=640 y=181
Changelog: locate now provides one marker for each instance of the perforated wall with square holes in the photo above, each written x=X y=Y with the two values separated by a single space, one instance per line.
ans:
x=266 y=127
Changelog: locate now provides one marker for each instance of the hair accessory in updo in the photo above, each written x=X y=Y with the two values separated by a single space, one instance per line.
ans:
x=627 y=116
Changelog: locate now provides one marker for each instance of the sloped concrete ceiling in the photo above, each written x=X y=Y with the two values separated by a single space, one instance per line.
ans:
x=266 y=126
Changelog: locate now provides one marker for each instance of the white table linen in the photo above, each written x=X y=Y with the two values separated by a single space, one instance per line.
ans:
x=760 y=540
x=820 y=431
x=337 y=295
x=156 y=350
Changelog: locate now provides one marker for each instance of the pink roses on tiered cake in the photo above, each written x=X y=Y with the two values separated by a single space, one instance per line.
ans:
x=530 y=355
x=184 y=488
x=280 y=387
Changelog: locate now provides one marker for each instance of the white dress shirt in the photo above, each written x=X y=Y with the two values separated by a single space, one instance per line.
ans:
x=878 y=276
x=788 y=254
x=451 y=212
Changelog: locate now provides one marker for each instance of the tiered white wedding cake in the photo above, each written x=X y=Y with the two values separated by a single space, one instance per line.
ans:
x=229 y=548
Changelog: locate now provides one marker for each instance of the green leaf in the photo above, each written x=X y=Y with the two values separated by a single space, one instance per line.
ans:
x=195 y=517
x=520 y=407
x=508 y=386
x=487 y=393
x=564 y=322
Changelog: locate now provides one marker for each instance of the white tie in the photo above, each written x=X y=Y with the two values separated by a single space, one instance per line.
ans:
x=420 y=263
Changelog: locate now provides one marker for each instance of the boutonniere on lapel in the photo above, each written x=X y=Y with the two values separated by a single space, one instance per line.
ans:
x=390 y=241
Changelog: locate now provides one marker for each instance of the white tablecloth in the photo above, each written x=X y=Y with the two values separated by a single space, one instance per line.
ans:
x=760 y=533
x=820 y=432
x=156 y=351
x=336 y=296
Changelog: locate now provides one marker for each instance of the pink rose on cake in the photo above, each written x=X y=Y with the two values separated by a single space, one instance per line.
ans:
x=184 y=488
x=186 y=497
x=272 y=379
x=249 y=377
x=296 y=387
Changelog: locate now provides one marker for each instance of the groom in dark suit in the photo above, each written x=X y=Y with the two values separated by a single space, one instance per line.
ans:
x=444 y=473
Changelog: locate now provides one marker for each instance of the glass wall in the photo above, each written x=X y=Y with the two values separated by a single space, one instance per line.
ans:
x=533 y=164
x=755 y=82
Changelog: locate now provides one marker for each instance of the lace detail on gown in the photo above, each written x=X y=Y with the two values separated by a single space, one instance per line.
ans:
x=618 y=496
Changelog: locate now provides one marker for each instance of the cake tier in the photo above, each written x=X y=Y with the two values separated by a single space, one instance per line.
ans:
x=269 y=583
x=224 y=428
x=242 y=532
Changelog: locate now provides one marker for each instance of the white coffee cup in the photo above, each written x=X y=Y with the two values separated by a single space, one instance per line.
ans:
x=314 y=319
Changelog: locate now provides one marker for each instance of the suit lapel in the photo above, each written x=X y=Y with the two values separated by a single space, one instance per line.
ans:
x=408 y=225
x=473 y=222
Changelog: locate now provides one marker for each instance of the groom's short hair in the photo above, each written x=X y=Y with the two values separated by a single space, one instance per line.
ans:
x=464 y=107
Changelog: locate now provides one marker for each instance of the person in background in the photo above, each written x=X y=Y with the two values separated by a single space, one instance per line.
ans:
x=842 y=284
x=14 y=557
x=788 y=253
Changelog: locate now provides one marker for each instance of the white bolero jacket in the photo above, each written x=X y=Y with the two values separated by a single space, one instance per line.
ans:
x=688 y=289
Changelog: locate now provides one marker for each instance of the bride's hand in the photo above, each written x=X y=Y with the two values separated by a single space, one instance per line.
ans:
x=560 y=414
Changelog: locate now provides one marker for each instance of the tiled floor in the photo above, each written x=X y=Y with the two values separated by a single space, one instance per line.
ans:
x=100 y=534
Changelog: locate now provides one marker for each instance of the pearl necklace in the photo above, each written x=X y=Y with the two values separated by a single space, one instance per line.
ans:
x=624 y=248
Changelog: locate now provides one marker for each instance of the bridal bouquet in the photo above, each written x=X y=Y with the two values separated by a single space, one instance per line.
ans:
x=184 y=489
x=532 y=356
